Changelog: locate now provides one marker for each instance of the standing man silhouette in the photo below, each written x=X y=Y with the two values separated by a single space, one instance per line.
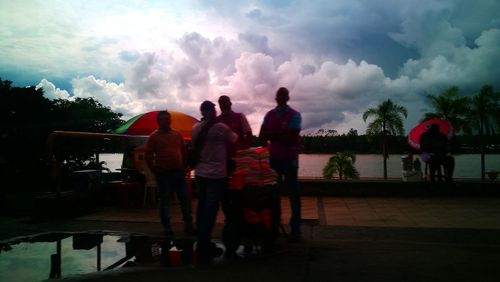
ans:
x=165 y=155
x=231 y=204
x=281 y=128
x=211 y=176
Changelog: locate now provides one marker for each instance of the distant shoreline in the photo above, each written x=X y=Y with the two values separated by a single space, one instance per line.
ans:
x=368 y=165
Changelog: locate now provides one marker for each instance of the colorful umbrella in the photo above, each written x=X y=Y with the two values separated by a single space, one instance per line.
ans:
x=445 y=127
x=145 y=124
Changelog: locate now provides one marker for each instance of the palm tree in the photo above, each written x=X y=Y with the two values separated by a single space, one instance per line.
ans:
x=342 y=164
x=484 y=106
x=387 y=121
x=451 y=107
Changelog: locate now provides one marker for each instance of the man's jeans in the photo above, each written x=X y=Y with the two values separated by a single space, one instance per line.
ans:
x=173 y=181
x=288 y=169
x=210 y=195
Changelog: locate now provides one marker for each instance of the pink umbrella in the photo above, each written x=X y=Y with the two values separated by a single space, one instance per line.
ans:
x=445 y=127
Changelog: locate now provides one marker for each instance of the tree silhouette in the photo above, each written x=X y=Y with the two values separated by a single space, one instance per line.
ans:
x=451 y=107
x=85 y=114
x=342 y=164
x=27 y=118
x=387 y=120
x=483 y=108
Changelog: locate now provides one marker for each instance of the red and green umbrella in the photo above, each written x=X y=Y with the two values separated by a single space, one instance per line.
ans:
x=145 y=124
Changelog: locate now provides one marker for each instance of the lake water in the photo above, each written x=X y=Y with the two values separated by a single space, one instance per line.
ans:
x=368 y=166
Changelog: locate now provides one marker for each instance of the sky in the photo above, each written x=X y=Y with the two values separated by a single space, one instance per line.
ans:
x=337 y=57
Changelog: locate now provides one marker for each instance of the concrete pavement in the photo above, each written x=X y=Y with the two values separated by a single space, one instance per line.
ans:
x=345 y=239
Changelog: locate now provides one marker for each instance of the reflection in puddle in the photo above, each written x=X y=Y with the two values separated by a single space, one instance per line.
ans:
x=57 y=255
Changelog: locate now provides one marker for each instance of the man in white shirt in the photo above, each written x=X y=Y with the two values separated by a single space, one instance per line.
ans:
x=211 y=175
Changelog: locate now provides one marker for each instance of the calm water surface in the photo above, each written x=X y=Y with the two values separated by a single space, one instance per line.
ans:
x=466 y=166
x=368 y=166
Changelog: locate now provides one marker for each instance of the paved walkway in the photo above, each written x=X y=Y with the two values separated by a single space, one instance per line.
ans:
x=413 y=212
x=356 y=239
x=459 y=212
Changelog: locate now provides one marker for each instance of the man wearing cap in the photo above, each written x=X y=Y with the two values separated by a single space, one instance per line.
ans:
x=281 y=128
x=211 y=175
x=165 y=155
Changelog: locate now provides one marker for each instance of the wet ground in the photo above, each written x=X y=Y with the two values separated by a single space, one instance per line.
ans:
x=66 y=254
x=345 y=239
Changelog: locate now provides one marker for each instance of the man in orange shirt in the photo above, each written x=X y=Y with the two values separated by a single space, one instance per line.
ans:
x=165 y=156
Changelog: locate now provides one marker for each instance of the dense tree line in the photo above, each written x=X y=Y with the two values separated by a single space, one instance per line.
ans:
x=366 y=144
x=362 y=144
x=26 y=120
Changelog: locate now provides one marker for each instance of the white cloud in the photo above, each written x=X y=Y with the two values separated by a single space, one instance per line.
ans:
x=337 y=57
x=50 y=91
x=109 y=94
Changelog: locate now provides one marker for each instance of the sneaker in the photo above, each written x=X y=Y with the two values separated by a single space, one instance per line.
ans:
x=205 y=257
x=217 y=252
x=248 y=250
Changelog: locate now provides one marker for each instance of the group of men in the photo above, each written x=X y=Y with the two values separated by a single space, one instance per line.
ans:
x=216 y=139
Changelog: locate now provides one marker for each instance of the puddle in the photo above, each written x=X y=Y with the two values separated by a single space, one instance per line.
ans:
x=58 y=255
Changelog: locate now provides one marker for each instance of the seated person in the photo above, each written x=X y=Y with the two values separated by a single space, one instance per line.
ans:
x=434 y=147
